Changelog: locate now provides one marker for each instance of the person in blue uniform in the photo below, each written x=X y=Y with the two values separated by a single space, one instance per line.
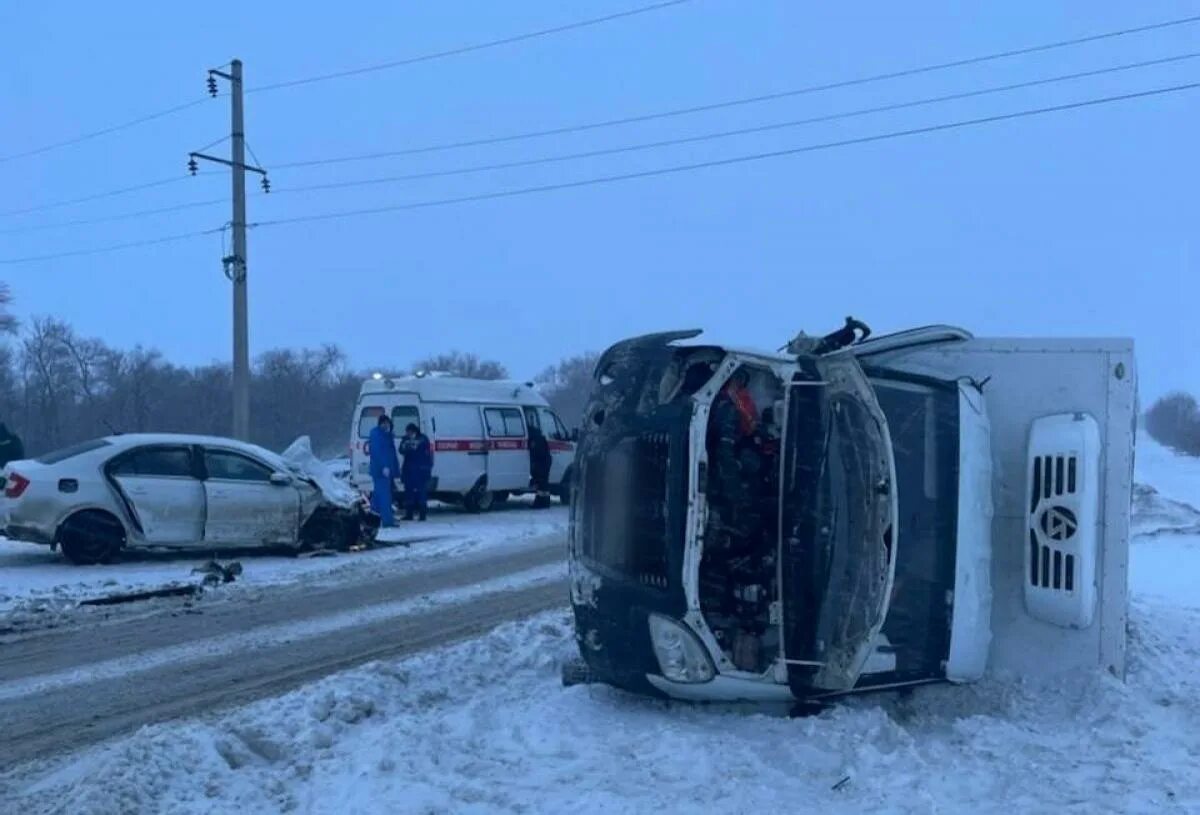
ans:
x=385 y=466
x=416 y=472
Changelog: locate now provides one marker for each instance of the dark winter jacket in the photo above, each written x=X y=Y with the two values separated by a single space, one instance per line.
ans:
x=382 y=446
x=11 y=448
x=539 y=457
x=418 y=460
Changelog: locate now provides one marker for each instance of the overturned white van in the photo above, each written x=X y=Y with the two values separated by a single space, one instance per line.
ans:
x=853 y=514
x=479 y=431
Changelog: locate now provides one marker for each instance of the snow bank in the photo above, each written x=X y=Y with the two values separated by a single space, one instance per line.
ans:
x=485 y=727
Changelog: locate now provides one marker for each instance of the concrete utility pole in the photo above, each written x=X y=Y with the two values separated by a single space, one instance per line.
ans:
x=235 y=264
x=241 y=330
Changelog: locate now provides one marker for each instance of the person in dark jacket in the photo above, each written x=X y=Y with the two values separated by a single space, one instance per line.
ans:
x=385 y=466
x=11 y=448
x=539 y=466
x=416 y=472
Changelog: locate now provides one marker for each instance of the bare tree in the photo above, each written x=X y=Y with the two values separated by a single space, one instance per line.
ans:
x=465 y=364
x=51 y=380
x=1174 y=420
x=568 y=386
x=8 y=323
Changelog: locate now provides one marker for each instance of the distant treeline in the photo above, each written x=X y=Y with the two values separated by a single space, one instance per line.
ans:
x=58 y=388
x=1174 y=421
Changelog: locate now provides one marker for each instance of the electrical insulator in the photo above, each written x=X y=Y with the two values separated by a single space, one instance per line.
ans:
x=266 y=184
x=192 y=165
x=212 y=85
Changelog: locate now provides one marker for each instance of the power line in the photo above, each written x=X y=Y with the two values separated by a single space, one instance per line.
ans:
x=465 y=49
x=351 y=72
x=680 y=168
x=107 y=218
x=105 y=249
x=627 y=148
x=97 y=196
x=735 y=132
x=748 y=100
x=104 y=131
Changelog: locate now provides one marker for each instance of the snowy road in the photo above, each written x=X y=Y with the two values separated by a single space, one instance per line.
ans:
x=63 y=689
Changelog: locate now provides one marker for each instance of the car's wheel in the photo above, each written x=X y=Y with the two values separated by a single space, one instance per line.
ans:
x=91 y=536
x=479 y=499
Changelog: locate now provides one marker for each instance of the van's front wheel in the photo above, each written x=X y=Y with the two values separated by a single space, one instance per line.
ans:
x=479 y=499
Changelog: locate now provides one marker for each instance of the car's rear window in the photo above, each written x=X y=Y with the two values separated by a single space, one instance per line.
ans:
x=65 y=453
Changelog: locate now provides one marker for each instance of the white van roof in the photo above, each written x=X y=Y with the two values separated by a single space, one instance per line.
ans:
x=438 y=388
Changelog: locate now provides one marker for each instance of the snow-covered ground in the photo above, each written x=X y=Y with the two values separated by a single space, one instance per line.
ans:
x=485 y=726
x=39 y=587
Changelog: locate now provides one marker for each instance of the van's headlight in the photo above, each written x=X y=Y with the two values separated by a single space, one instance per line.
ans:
x=681 y=657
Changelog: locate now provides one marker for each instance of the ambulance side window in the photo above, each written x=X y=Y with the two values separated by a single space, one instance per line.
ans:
x=367 y=420
x=551 y=426
x=531 y=418
x=456 y=421
x=504 y=422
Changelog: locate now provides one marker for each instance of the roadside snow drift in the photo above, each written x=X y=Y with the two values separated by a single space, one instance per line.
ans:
x=486 y=727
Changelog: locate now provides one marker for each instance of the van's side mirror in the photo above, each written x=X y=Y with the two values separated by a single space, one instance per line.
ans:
x=281 y=479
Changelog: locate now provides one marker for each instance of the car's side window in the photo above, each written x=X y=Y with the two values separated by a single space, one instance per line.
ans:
x=160 y=462
x=227 y=465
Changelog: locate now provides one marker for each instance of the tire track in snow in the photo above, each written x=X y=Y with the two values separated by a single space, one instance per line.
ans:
x=80 y=702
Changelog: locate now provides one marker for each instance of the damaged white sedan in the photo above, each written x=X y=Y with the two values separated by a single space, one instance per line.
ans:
x=178 y=491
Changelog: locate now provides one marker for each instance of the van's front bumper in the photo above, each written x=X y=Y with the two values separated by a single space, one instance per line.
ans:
x=723 y=689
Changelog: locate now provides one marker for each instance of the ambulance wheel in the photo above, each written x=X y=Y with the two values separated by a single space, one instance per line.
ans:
x=564 y=489
x=500 y=497
x=479 y=499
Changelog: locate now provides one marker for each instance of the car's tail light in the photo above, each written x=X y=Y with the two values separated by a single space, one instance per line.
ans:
x=15 y=486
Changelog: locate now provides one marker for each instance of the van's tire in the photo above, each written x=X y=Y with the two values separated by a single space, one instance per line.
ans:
x=500 y=497
x=91 y=536
x=479 y=499
x=564 y=491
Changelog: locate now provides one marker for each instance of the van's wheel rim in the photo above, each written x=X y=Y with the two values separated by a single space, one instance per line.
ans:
x=485 y=500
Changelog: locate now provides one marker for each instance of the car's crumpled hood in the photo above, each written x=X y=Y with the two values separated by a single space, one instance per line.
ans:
x=300 y=460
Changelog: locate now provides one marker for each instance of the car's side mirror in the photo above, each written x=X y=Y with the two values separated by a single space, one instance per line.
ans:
x=281 y=479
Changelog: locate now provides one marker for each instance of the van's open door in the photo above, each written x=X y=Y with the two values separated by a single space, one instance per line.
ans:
x=838 y=510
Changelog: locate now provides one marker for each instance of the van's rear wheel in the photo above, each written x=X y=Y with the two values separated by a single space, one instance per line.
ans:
x=90 y=537
x=479 y=499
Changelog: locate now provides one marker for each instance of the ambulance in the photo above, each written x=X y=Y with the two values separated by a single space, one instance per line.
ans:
x=479 y=431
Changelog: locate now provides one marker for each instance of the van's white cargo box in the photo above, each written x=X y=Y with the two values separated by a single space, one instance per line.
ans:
x=1056 y=407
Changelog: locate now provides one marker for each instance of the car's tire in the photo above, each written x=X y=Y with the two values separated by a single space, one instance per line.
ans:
x=91 y=536
x=479 y=499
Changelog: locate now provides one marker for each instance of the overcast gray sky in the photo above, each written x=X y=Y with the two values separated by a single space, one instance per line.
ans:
x=1080 y=222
